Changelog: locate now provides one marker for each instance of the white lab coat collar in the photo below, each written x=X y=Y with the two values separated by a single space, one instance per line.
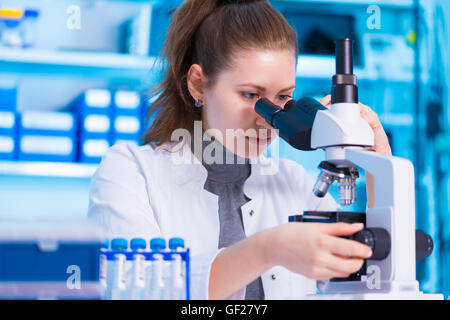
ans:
x=198 y=173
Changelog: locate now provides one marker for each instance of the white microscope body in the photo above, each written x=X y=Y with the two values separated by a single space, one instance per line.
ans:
x=390 y=273
x=343 y=134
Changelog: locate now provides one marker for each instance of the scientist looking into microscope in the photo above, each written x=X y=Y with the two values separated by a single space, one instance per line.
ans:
x=221 y=57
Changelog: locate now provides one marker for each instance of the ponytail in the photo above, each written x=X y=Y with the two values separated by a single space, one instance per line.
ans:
x=206 y=32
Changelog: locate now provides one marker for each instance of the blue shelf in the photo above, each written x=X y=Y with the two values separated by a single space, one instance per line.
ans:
x=323 y=67
x=86 y=64
x=406 y=4
x=124 y=66
x=47 y=169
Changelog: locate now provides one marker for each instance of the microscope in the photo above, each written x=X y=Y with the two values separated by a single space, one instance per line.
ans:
x=390 y=273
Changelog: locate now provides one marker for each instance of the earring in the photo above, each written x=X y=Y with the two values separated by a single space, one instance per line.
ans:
x=198 y=103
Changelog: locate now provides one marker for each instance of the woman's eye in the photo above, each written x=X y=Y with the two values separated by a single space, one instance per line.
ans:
x=249 y=96
x=284 y=97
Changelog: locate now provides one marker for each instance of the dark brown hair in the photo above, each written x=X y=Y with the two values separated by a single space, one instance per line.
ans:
x=206 y=32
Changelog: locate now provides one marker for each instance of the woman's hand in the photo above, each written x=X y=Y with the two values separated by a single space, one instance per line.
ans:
x=315 y=249
x=312 y=249
x=381 y=144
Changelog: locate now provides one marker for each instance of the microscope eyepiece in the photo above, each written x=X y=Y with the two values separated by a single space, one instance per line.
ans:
x=344 y=87
x=344 y=58
x=265 y=108
x=294 y=121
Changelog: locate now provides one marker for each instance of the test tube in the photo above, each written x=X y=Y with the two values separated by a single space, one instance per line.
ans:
x=117 y=277
x=155 y=284
x=137 y=281
x=177 y=289
x=103 y=264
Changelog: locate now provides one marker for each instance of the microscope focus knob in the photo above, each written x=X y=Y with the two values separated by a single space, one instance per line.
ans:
x=424 y=245
x=376 y=238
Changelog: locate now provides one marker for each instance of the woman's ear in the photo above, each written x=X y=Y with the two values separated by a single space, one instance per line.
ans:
x=196 y=81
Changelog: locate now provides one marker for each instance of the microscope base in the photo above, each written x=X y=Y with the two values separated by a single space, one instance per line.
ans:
x=377 y=296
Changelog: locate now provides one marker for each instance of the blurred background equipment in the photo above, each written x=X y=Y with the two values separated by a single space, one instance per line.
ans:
x=17 y=27
x=50 y=260
x=54 y=53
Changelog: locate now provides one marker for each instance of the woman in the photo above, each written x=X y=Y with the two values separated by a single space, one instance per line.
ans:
x=222 y=56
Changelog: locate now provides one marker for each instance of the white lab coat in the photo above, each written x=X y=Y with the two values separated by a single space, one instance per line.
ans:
x=146 y=192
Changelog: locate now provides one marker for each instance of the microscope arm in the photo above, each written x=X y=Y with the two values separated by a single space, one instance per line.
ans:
x=394 y=196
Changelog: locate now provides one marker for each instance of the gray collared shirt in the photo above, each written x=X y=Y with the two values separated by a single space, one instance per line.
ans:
x=227 y=180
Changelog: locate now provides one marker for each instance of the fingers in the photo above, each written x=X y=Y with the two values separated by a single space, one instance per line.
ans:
x=337 y=274
x=326 y=101
x=347 y=248
x=340 y=228
x=332 y=266
x=343 y=247
x=344 y=266
x=326 y=273
x=365 y=111
x=370 y=116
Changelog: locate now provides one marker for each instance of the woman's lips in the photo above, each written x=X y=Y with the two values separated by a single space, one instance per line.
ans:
x=258 y=141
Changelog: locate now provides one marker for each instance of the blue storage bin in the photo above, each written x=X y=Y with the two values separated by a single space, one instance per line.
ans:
x=48 y=123
x=126 y=102
x=134 y=140
x=95 y=126
x=127 y=117
x=8 y=129
x=127 y=128
x=47 y=136
x=46 y=148
x=45 y=259
x=95 y=111
x=92 y=150
x=93 y=101
x=8 y=122
x=27 y=261
x=8 y=97
x=7 y=147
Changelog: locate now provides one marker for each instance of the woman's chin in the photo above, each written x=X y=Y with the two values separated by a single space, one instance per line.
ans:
x=251 y=150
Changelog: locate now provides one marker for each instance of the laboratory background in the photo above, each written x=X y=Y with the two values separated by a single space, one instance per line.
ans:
x=76 y=77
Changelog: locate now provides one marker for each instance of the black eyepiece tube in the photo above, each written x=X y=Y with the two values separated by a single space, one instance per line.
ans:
x=294 y=121
x=344 y=89
x=265 y=108
x=344 y=56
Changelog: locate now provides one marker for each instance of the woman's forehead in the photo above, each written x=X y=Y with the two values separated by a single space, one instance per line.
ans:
x=262 y=67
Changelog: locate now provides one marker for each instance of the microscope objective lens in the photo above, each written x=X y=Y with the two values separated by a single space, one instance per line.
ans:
x=323 y=183
x=347 y=191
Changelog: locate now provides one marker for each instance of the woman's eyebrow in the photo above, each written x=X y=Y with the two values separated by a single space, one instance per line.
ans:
x=291 y=87
x=262 y=89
